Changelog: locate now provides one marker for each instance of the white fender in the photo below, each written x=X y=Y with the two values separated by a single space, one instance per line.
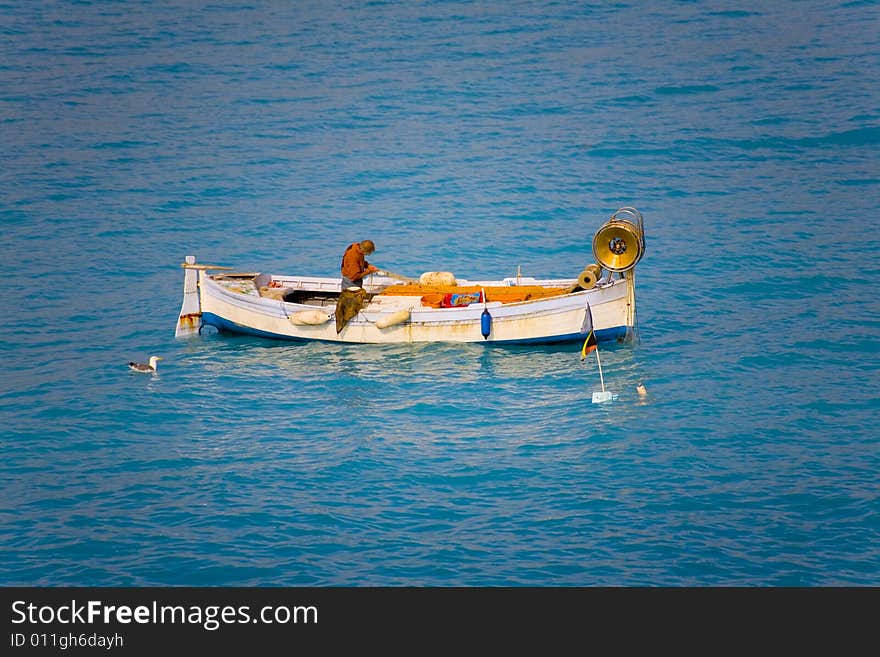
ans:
x=309 y=318
x=393 y=319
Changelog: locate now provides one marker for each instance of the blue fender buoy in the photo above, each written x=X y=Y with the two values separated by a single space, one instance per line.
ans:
x=485 y=323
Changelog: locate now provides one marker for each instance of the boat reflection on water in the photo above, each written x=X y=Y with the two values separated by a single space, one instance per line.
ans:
x=550 y=375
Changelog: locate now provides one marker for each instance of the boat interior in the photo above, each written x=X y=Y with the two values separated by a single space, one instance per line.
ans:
x=443 y=294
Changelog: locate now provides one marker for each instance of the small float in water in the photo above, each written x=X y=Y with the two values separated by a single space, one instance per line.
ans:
x=438 y=307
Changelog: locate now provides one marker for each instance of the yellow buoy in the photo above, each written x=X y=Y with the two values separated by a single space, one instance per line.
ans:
x=587 y=279
x=590 y=276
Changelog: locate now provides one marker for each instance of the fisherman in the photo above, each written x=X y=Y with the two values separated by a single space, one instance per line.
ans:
x=355 y=265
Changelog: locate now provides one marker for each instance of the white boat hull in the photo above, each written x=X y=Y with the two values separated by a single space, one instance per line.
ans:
x=240 y=308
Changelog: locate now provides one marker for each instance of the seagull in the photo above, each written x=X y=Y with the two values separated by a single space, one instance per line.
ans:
x=145 y=367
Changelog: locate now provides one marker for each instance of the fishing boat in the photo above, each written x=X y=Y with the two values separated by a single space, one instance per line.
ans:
x=436 y=307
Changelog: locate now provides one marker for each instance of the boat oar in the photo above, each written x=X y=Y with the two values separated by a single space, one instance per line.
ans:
x=187 y=265
x=399 y=277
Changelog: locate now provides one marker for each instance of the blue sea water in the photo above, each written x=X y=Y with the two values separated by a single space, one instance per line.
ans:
x=472 y=137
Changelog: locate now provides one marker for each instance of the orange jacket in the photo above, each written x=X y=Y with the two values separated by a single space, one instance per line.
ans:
x=354 y=265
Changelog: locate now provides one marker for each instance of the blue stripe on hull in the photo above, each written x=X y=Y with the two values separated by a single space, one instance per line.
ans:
x=605 y=335
x=222 y=324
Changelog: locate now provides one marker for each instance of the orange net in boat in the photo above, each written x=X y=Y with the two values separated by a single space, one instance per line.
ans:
x=433 y=296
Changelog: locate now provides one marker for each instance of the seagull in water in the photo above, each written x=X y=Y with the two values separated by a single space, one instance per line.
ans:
x=148 y=368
